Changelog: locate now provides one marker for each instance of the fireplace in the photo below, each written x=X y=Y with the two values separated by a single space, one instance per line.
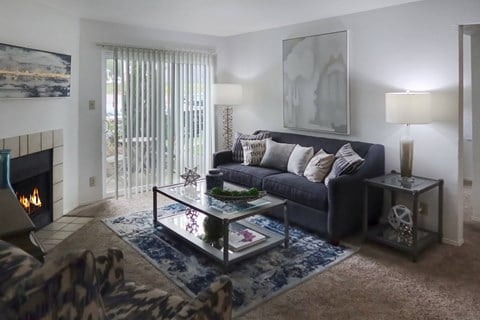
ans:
x=34 y=160
x=32 y=143
x=31 y=179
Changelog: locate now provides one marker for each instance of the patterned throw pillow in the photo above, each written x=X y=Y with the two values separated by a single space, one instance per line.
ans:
x=237 y=151
x=298 y=159
x=347 y=162
x=319 y=166
x=253 y=151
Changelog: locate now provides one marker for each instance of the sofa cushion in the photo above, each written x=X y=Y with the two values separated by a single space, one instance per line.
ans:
x=6 y=312
x=298 y=159
x=131 y=301
x=62 y=288
x=211 y=303
x=247 y=176
x=277 y=155
x=237 y=150
x=253 y=151
x=319 y=166
x=298 y=189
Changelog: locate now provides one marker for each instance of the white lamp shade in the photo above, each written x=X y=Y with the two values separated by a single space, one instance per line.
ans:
x=227 y=94
x=408 y=107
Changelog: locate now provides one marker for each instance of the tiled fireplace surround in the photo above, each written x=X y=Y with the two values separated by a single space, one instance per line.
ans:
x=35 y=142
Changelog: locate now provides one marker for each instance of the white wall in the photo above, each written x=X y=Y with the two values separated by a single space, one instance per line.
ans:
x=412 y=46
x=29 y=24
x=90 y=121
x=467 y=109
x=475 y=56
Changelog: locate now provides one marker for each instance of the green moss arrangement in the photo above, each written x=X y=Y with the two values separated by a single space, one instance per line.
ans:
x=252 y=192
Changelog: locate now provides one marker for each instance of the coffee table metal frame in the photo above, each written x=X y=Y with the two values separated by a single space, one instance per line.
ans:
x=201 y=204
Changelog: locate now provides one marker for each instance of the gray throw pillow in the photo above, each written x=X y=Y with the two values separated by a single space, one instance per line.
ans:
x=276 y=155
x=319 y=166
x=347 y=162
x=237 y=150
x=299 y=158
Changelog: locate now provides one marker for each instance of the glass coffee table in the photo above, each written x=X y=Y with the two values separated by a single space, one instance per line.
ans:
x=239 y=240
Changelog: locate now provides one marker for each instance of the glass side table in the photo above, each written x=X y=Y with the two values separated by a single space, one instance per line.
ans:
x=413 y=188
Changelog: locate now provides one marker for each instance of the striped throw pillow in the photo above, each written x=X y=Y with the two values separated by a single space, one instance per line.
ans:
x=347 y=162
x=237 y=151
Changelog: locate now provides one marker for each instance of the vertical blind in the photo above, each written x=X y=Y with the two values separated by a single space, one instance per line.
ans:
x=163 y=118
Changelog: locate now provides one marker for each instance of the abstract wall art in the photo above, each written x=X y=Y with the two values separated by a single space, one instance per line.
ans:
x=316 y=83
x=29 y=73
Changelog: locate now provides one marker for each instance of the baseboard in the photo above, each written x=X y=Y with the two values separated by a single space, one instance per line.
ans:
x=457 y=243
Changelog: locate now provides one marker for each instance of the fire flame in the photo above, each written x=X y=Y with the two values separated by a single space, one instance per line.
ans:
x=32 y=202
x=24 y=202
x=35 y=198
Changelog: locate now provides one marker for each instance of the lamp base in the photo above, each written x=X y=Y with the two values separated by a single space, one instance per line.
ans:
x=227 y=127
x=406 y=157
x=406 y=182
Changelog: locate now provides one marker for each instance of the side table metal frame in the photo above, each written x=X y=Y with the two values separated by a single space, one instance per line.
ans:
x=417 y=246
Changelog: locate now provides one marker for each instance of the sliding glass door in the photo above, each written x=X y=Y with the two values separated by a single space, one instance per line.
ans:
x=158 y=118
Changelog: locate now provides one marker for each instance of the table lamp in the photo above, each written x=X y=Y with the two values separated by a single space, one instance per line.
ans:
x=407 y=108
x=228 y=95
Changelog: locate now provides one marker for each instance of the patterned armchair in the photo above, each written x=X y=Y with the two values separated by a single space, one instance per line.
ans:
x=80 y=286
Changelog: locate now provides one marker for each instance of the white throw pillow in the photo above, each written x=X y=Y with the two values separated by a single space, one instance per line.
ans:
x=319 y=166
x=299 y=158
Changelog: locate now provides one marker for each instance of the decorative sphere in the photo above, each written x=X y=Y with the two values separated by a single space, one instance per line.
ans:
x=400 y=215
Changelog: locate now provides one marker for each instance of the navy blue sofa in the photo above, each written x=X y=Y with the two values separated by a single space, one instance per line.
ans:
x=334 y=211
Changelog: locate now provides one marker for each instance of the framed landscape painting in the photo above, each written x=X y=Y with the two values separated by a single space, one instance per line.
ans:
x=29 y=73
x=316 y=83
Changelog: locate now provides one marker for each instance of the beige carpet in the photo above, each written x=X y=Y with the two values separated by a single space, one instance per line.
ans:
x=376 y=283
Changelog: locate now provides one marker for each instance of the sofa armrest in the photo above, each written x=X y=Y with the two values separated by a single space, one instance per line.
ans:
x=64 y=288
x=215 y=302
x=346 y=192
x=222 y=157
x=6 y=312
x=109 y=270
x=16 y=265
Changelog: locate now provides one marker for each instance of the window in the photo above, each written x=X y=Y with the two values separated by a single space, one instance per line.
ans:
x=158 y=118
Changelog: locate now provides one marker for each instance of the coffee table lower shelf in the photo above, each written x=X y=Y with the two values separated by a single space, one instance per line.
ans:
x=272 y=239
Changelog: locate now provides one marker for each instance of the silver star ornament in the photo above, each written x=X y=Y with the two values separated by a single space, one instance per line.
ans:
x=191 y=176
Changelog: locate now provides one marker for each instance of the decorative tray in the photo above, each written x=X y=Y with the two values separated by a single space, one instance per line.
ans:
x=237 y=199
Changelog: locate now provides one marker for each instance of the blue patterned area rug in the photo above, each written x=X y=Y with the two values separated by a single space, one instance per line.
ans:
x=254 y=280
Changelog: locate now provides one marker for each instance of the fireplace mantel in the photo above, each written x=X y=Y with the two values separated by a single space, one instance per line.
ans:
x=35 y=142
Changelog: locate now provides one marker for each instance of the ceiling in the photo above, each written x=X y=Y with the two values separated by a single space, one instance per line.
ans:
x=214 y=17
